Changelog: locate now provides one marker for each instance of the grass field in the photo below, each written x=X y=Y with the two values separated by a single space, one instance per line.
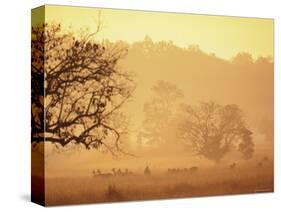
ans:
x=216 y=180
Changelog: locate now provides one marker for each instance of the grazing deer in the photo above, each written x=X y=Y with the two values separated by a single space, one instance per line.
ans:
x=119 y=172
x=147 y=171
x=232 y=166
x=113 y=171
x=98 y=173
x=265 y=158
x=263 y=161
x=127 y=172
x=183 y=171
x=172 y=171
x=193 y=169
x=260 y=164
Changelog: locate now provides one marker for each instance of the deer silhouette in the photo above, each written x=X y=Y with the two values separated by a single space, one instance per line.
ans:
x=147 y=171
x=98 y=173
x=232 y=166
x=119 y=172
x=260 y=164
x=193 y=169
x=114 y=171
x=265 y=159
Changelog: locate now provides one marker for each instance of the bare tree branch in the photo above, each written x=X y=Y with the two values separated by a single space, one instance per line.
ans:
x=83 y=88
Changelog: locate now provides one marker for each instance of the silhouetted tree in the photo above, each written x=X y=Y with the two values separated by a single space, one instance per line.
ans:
x=83 y=88
x=160 y=111
x=211 y=130
x=243 y=59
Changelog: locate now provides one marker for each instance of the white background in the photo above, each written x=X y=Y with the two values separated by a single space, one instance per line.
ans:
x=15 y=105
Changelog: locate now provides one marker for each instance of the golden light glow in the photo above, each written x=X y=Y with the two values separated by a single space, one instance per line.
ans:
x=174 y=110
x=221 y=35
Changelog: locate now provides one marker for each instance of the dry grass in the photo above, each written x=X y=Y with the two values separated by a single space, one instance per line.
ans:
x=209 y=181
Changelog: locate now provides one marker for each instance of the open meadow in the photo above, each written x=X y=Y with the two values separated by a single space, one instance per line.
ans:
x=219 y=180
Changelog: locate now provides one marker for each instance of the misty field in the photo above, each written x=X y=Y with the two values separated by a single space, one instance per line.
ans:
x=217 y=180
x=150 y=115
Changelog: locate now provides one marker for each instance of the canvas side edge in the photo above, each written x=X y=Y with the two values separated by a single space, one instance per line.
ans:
x=37 y=154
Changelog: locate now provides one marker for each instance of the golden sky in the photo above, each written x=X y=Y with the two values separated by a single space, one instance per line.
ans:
x=224 y=36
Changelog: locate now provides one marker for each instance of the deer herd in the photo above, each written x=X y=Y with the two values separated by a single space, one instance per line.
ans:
x=146 y=172
x=190 y=170
x=171 y=171
x=114 y=172
x=260 y=163
x=118 y=172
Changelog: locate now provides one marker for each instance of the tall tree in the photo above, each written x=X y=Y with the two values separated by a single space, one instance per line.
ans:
x=160 y=113
x=211 y=130
x=83 y=88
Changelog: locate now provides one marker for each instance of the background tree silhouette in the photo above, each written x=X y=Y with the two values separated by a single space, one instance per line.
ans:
x=159 y=123
x=83 y=88
x=237 y=80
x=211 y=130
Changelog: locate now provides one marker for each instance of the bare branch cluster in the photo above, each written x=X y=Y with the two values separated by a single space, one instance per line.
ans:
x=77 y=86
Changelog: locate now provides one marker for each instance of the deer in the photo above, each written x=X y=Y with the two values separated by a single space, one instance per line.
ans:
x=98 y=173
x=127 y=172
x=260 y=164
x=193 y=169
x=232 y=166
x=263 y=161
x=114 y=171
x=147 y=171
x=265 y=158
x=119 y=172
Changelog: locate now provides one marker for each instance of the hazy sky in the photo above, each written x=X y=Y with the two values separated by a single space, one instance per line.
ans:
x=224 y=36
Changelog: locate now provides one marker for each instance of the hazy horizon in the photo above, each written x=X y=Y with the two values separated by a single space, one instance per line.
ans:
x=141 y=100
